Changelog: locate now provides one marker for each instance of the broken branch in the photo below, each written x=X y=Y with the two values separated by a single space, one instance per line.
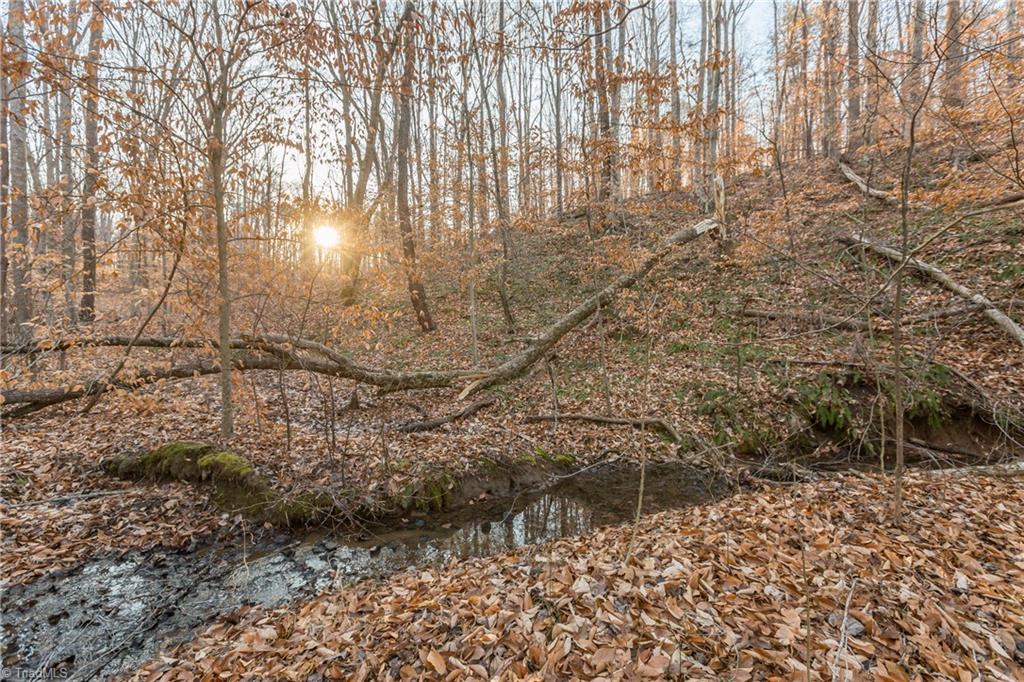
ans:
x=989 y=308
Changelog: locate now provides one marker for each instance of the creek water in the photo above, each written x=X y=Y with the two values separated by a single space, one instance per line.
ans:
x=111 y=614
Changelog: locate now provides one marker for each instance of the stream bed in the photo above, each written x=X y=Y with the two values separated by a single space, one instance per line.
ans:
x=109 y=615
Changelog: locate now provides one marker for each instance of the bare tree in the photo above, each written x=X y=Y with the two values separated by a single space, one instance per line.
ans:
x=953 y=87
x=92 y=165
x=853 y=90
x=19 y=256
x=417 y=292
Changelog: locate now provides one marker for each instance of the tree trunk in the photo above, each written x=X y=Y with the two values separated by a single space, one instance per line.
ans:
x=417 y=292
x=702 y=71
x=501 y=206
x=306 y=246
x=368 y=160
x=5 y=177
x=604 y=144
x=654 y=101
x=92 y=162
x=805 y=46
x=913 y=83
x=829 y=77
x=68 y=245
x=874 y=91
x=216 y=161
x=1013 y=46
x=853 y=134
x=953 y=85
x=17 y=112
x=677 y=151
x=715 y=86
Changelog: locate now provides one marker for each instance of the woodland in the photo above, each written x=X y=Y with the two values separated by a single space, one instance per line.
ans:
x=512 y=339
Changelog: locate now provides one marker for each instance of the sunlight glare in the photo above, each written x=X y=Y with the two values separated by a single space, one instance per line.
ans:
x=326 y=237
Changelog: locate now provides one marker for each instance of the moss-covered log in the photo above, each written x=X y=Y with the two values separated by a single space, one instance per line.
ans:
x=235 y=485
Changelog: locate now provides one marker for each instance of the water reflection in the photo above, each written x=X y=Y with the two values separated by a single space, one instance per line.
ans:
x=546 y=517
x=152 y=599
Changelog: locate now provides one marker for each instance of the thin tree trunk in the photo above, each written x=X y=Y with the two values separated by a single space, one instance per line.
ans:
x=502 y=208
x=88 y=307
x=654 y=101
x=604 y=188
x=306 y=238
x=953 y=86
x=677 y=151
x=874 y=91
x=805 y=46
x=216 y=167
x=417 y=292
x=1013 y=47
x=853 y=94
x=5 y=178
x=68 y=245
x=702 y=71
x=715 y=78
x=829 y=76
x=19 y=255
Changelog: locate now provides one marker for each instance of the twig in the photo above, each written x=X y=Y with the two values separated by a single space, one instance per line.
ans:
x=655 y=423
x=428 y=424
x=69 y=498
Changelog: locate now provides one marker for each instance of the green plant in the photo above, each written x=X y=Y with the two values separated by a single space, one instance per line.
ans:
x=924 y=403
x=827 y=403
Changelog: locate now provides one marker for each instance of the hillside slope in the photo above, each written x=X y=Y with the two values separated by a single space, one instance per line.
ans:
x=680 y=347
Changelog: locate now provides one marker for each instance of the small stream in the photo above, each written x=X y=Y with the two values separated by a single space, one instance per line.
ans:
x=111 y=614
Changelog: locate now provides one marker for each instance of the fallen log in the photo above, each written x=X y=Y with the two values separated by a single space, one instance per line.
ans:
x=656 y=424
x=863 y=186
x=988 y=307
x=518 y=364
x=278 y=352
x=1006 y=470
x=850 y=324
x=437 y=422
x=856 y=324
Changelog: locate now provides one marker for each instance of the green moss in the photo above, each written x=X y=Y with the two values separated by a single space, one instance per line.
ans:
x=562 y=459
x=177 y=460
x=225 y=466
x=433 y=494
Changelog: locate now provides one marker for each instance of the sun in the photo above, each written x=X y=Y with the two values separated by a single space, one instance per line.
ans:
x=326 y=237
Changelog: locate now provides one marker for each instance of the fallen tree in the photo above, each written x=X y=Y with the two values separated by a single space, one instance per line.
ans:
x=653 y=424
x=857 y=324
x=863 y=186
x=278 y=352
x=989 y=308
x=437 y=422
x=543 y=343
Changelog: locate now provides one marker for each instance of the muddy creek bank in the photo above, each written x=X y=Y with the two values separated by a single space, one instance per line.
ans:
x=111 y=614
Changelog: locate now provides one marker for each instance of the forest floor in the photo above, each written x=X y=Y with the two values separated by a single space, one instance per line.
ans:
x=680 y=347
x=756 y=586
